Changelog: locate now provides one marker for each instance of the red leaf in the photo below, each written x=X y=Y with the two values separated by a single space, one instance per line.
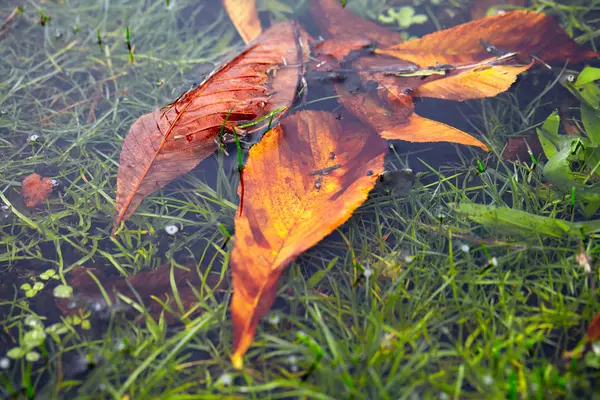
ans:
x=165 y=144
x=35 y=189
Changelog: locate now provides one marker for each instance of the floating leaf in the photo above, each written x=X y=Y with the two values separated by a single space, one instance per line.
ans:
x=35 y=189
x=167 y=143
x=34 y=338
x=15 y=353
x=63 y=291
x=244 y=16
x=302 y=181
x=516 y=31
x=32 y=356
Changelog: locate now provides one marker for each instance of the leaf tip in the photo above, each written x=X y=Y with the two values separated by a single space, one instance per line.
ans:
x=237 y=361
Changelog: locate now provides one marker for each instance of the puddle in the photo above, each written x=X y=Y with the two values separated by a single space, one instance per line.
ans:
x=397 y=300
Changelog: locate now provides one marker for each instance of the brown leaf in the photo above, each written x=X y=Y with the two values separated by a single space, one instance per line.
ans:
x=593 y=330
x=35 y=189
x=396 y=119
x=480 y=8
x=516 y=31
x=165 y=144
x=302 y=181
x=518 y=148
x=244 y=16
x=335 y=21
x=155 y=283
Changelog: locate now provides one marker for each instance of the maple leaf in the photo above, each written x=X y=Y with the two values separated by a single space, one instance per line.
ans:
x=244 y=16
x=303 y=180
x=35 y=189
x=167 y=143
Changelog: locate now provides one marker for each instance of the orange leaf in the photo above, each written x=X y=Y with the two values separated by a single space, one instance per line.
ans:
x=35 y=189
x=515 y=31
x=466 y=83
x=165 y=144
x=335 y=21
x=244 y=16
x=302 y=181
x=397 y=120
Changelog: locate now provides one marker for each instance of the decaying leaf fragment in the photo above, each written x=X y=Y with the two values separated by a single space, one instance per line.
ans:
x=303 y=180
x=147 y=286
x=35 y=189
x=169 y=142
x=244 y=16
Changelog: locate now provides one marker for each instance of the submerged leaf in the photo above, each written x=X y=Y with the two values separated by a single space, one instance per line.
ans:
x=335 y=21
x=302 y=181
x=35 y=189
x=167 y=143
x=244 y=16
x=148 y=286
x=482 y=8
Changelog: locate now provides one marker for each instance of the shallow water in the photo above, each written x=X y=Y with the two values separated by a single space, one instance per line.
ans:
x=70 y=82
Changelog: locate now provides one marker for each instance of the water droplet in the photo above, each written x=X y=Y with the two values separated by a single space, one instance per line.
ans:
x=225 y=379
x=4 y=363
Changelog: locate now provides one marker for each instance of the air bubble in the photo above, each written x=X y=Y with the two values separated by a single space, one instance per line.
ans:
x=171 y=229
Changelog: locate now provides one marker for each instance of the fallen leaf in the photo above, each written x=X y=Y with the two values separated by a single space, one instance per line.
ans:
x=302 y=181
x=147 y=285
x=397 y=120
x=244 y=16
x=167 y=143
x=335 y=21
x=35 y=189
x=593 y=331
x=518 y=148
x=516 y=31
x=480 y=8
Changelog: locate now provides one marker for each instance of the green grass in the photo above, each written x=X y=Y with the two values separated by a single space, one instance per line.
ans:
x=449 y=309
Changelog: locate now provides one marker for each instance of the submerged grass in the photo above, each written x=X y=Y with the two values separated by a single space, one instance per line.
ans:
x=409 y=299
